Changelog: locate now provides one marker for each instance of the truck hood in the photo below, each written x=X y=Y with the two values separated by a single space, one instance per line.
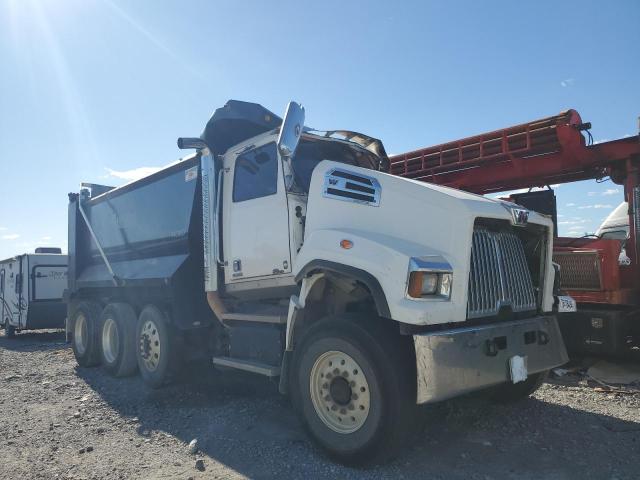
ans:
x=419 y=206
x=405 y=219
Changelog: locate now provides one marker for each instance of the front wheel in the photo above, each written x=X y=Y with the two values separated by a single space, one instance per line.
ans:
x=351 y=388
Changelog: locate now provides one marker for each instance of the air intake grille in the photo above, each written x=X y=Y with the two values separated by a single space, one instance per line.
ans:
x=351 y=187
x=499 y=275
x=579 y=270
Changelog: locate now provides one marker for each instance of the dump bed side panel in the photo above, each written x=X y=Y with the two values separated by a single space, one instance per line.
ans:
x=145 y=228
x=151 y=233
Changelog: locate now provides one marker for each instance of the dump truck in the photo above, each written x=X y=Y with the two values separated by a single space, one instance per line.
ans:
x=31 y=288
x=287 y=252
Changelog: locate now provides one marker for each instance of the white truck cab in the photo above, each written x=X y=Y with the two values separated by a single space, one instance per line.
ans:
x=466 y=278
x=616 y=225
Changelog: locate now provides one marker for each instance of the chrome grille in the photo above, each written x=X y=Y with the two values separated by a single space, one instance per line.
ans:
x=579 y=270
x=499 y=275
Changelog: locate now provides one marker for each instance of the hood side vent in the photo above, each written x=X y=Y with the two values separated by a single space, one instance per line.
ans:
x=349 y=186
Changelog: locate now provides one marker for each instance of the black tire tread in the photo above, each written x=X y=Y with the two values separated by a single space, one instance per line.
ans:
x=126 y=319
x=391 y=356
x=165 y=374
x=92 y=311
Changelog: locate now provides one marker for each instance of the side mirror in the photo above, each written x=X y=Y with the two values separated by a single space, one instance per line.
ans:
x=291 y=130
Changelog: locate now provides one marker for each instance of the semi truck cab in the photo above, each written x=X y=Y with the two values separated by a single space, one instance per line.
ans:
x=288 y=252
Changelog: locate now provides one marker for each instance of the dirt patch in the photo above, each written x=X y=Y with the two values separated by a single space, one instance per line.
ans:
x=62 y=421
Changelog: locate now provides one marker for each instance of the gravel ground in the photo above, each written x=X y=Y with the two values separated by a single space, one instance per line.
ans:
x=61 y=421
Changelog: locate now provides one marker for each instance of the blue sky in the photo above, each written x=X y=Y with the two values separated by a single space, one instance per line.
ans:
x=91 y=90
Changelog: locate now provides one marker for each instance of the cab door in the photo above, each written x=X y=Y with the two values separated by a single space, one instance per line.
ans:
x=255 y=219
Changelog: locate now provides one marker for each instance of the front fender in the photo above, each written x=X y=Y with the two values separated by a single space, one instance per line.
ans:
x=384 y=261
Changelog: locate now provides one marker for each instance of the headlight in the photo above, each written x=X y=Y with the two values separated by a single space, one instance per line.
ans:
x=429 y=277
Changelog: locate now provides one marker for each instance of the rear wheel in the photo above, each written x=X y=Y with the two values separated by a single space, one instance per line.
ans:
x=513 y=392
x=118 y=339
x=353 y=390
x=85 y=343
x=156 y=347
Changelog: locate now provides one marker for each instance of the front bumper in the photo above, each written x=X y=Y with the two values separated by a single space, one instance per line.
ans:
x=457 y=361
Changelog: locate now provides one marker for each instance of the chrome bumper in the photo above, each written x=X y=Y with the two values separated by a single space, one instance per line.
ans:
x=458 y=361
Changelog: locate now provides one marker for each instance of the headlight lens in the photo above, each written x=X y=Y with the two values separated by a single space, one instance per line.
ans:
x=429 y=284
x=445 y=284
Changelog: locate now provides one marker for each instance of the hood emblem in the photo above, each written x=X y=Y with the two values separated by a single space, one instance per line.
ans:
x=520 y=216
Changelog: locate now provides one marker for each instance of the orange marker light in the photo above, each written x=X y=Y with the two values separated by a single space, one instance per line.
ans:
x=346 y=244
x=415 y=284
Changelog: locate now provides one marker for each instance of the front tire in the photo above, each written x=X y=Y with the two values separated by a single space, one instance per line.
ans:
x=85 y=343
x=118 y=339
x=353 y=390
x=156 y=347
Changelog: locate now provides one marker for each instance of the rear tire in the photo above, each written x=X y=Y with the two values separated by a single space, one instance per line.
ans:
x=118 y=339
x=157 y=347
x=85 y=321
x=514 y=392
x=353 y=389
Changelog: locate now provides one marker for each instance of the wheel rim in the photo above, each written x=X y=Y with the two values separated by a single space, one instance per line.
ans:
x=339 y=392
x=81 y=334
x=150 y=345
x=110 y=340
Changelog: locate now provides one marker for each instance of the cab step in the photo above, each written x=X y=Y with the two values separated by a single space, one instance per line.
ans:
x=247 y=366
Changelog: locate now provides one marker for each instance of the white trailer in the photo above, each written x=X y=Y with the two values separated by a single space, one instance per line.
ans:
x=31 y=287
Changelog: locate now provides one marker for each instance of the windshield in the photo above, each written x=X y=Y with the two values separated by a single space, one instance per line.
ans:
x=310 y=152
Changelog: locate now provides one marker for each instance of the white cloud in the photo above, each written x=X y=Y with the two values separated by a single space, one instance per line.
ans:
x=611 y=191
x=592 y=194
x=571 y=205
x=133 y=174
x=10 y=236
x=602 y=140
x=2 y=229
x=574 y=222
x=597 y=205
x=567 y=82
x=46 y=237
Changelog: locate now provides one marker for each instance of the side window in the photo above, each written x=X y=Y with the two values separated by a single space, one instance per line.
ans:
x=256 y=173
